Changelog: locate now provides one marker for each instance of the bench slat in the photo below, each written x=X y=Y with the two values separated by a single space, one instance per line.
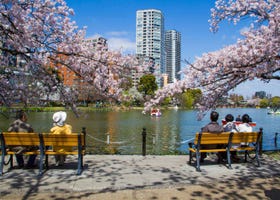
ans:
x=21 y=139
x=49 y=152
x=208 y=150
x=25 y=153
x=62 y=140
x=213 y=138
x=243 y=137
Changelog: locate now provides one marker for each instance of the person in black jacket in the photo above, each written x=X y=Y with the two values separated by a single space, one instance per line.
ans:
x=212 y=127
x=21 y=125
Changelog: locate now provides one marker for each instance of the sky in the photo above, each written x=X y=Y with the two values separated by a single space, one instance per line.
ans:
x=115 y=20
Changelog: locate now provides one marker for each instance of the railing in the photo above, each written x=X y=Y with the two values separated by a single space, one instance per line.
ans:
x=144 y=140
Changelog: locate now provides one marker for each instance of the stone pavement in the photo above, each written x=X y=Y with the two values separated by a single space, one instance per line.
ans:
x=139 y=177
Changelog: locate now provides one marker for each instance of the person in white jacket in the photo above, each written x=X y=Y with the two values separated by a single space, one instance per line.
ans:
x=245 y=126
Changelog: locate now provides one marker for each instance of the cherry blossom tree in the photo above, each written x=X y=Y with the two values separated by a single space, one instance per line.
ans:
x=255 y=56
x=38 y=36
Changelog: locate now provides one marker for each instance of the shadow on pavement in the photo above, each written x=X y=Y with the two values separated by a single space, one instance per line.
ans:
x=150 y=177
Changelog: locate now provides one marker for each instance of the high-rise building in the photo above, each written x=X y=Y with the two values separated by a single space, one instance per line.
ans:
x=173 y=55
x=150 y=38
x=136 y=75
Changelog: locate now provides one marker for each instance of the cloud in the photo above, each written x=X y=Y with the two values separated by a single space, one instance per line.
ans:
x=117 y=33
x=244 y=29
x=123 y=44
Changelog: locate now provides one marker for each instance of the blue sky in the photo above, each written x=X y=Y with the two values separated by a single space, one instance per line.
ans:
x=116 y=21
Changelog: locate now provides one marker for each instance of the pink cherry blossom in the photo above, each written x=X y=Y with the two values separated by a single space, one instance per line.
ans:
x=37 y=37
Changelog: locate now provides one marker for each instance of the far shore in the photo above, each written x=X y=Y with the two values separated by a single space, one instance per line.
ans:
x=81 y=108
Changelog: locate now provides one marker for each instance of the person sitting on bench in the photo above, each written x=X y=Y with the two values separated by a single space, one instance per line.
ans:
x=21 y=125
x=60 y=127
x=212 y=127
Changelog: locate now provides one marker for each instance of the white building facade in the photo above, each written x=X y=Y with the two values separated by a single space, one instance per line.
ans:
x=98 y=43
x=150 y=38
x=173 y=55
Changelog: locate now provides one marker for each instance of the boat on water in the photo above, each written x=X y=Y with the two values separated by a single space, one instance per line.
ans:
x=155 y=113
x=273 y=111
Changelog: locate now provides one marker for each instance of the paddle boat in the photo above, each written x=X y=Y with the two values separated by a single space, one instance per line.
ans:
x=155 y=113
x=273 y=112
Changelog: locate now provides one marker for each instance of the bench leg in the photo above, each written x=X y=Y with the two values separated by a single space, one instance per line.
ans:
x=80 y=164
x=2 y=164
x=246 y=155
x=47 y=161
x=198 y=161
x=41 y=164
x=190 y=158
x=11 y=161
x=257 y=158
x=229 y=159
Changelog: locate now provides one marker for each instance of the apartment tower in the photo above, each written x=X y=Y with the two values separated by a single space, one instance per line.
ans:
x=173 y=55
x=150 y=38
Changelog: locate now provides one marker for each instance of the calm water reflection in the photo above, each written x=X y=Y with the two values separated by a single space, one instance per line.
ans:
x=168 y=134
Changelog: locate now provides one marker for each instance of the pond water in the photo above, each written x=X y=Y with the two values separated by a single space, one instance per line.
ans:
x=168 y=134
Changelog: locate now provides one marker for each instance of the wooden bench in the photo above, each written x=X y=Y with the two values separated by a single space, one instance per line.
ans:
x=225 y=142
x=43 y=141
x=74 y=141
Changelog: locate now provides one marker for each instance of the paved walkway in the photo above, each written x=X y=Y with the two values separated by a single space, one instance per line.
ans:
x=149 y=177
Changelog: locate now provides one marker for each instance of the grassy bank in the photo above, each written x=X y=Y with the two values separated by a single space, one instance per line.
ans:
x=273 y=154
x=32 y=109
x=90 y=107
x=50 y=109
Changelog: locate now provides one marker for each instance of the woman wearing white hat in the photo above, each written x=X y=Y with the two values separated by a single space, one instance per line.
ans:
x=60 y=127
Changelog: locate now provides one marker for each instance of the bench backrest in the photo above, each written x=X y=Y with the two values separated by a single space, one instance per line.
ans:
x=20 y=139
x=212 y=138
x=33 y=139
x=63 y=140
x=223 y=138
x=245 y=137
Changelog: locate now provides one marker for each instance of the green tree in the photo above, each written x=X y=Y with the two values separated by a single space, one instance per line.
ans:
x=237 y=99
x=127 y=84
x=166 y=101
x=264 y=103
x=275 y=102
x=147 y=84
x=190 y=98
